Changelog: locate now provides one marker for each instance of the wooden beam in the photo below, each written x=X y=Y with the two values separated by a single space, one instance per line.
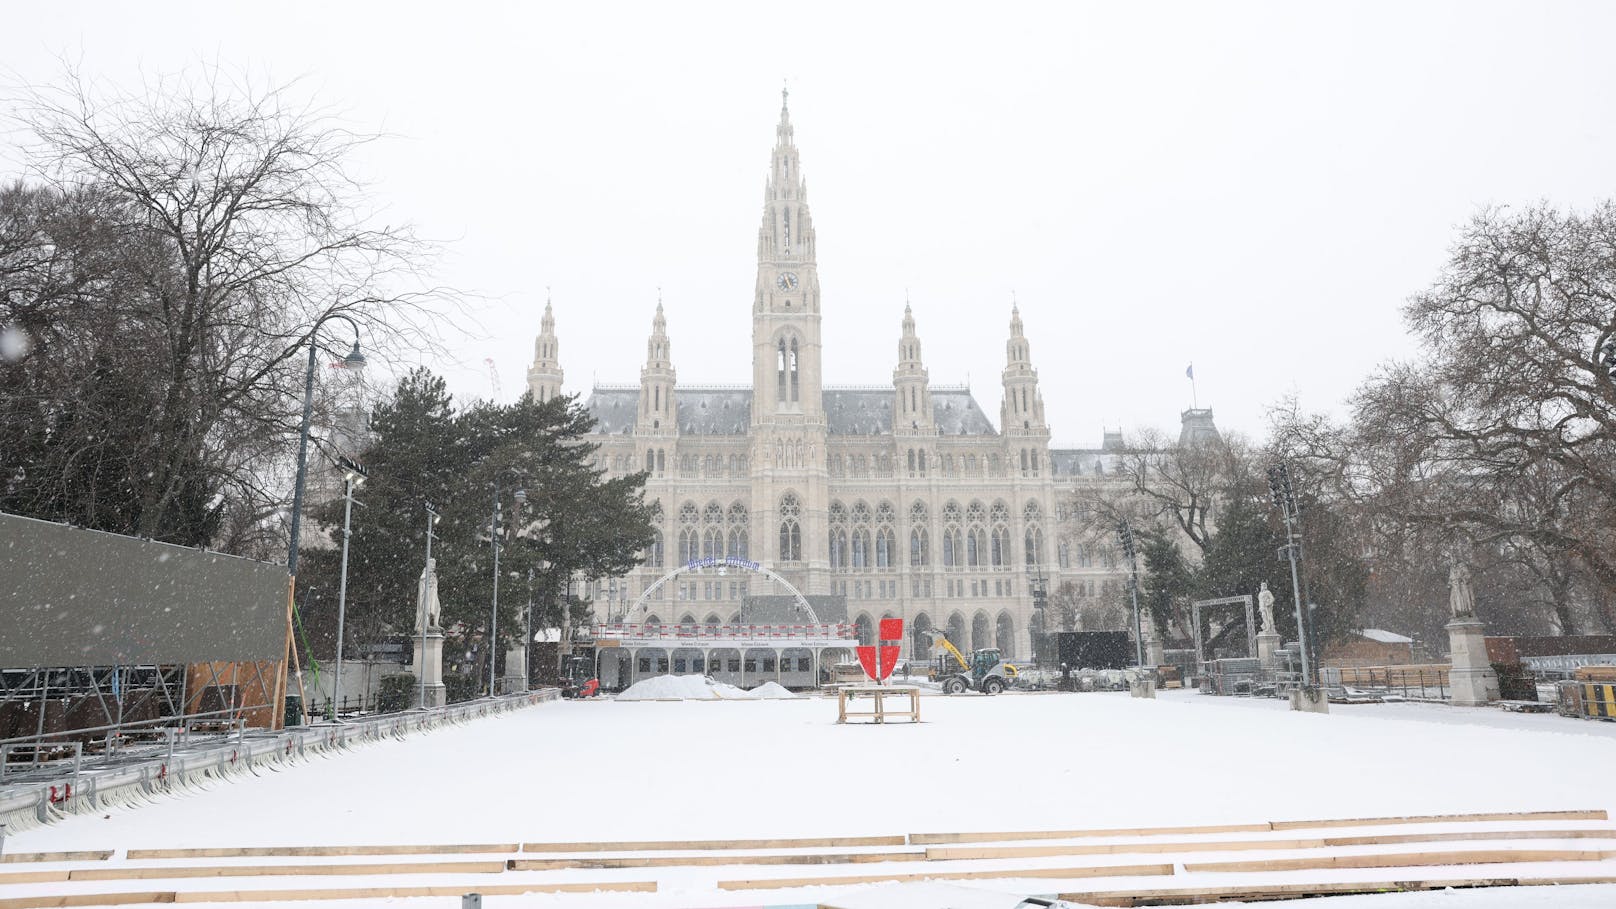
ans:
x=1410 y=860
x=682 y=861
x=324 y=851
x=33 y=877
x=928 y=839
x=308 y=870
x=1254 y=893
x=1003 y=874
x=832 y=842
x=277 y=896
x=94 y=855
x=955 y=853
x=86 y=899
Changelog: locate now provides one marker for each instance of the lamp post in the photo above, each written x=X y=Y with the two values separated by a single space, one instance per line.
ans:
x=493 y=612
x=1279 y=484
x=354 y=360
x=1125 y=535
x=352 y=476
x=432 y=518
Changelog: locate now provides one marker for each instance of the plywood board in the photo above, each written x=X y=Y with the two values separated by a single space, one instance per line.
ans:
x=1001 y=874
x=832 y=842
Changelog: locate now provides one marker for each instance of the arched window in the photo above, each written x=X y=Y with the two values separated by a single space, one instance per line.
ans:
x=689 y=546
x=712 y=543
x=1005 y=636
x=885 y=542
x=972 y=553
x=661 y=461
x=790 y=529
x=1035 y=545
x=861 y=549
x=951 y=553
x=794 y=382
x=780 y=372
x=1064 y=553
x=650 y=461
x=838 y=548
x=1001 y=545
x=653 y=553
x=919 y=548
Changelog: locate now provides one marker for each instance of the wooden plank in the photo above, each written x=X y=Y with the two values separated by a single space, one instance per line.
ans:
x=33 y=877
x=931 y=839
x=680 y=861
x=90 y=855
x=1388 y=839
x=86 y=899
x=1253 y=893
x=954 y=853
x=1449 y=819
x=832 y=842
x=1002 y=874
x=330 y=851
x=278 y=896
x=1409 y=860
x=308 y=870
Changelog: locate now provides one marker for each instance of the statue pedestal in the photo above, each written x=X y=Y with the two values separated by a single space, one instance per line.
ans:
x=515 y=679
x=1310 y=700
x=1153 y=649
x=1471 y=679
x=429 y=668
x=1267 y=643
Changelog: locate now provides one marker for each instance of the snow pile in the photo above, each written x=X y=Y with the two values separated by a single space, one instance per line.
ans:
x=681 y=688
x=770 y=690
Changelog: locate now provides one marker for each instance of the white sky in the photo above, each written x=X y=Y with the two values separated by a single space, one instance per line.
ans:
x=1254 y=187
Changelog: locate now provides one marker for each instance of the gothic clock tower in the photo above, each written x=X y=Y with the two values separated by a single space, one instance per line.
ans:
x=788 y=406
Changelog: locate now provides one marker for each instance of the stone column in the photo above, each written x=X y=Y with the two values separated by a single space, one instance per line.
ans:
x=1267 y=643
x=516 y=669
x=1472 y=679
x=429 y=668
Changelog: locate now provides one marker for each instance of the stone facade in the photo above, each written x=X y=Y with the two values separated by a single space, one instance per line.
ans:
x=904 y=499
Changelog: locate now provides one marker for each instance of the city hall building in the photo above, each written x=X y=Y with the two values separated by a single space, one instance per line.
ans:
x=904 y=500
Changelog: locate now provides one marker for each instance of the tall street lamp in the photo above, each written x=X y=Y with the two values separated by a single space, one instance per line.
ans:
x=1125 y=535
x=432 y=518
x=1279 y=485
x=493 y=613
x=353 y=360
x=352 y=476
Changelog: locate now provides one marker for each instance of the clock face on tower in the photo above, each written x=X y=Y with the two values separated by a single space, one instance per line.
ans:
x=787 y=280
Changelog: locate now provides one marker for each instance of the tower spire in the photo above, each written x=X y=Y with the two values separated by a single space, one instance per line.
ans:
x=657 y=378
x=544 y=376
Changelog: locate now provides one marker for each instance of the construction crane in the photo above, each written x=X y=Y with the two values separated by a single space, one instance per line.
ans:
x=493 y=378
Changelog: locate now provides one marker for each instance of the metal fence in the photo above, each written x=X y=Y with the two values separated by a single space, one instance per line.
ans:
x=1416 y=682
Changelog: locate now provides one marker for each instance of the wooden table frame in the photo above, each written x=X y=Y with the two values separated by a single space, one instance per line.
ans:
x=877 y=694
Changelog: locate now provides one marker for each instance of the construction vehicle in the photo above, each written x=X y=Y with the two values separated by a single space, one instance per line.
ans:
x=985 y=670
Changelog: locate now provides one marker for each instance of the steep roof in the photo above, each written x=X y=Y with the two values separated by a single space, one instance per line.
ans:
x=717 y=411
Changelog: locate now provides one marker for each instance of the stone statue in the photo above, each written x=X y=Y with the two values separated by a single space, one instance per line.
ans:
x=428 y=612
x=1265 y=602
x=1461 y=599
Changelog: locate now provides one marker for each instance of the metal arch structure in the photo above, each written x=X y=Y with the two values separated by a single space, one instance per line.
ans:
x=642 y=602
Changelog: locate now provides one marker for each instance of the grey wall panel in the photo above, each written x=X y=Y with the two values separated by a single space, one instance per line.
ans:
x=72 y=597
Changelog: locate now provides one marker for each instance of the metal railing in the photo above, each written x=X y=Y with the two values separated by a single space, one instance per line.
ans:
x=1416 y=682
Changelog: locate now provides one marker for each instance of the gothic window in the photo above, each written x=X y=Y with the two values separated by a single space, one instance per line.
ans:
x=1024 y=461
x=1085 y=559
x=1035 y=460
x=712 y=543
x=653 y=553
x=787 y=213
x=661 y=461
x=1035 y=545
x=689 y=546
x=794 y=381
x=951 y=551
x=780 y=372
x=650 y=461
x=658 y=398
x=790 y=529
x=922 y=462
x=911 y=462
x=1065 y=554
x=919 y=547
x=861 y=549
x=885 y=542
x=1001 y=546
x=973 y=552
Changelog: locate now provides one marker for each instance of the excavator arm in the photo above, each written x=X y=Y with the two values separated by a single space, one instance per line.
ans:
x=938 y=638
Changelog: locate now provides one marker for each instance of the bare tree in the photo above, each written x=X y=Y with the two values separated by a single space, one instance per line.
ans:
x=226 y=225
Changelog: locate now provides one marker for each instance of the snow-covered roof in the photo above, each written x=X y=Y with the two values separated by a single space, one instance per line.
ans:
x=1385 y=637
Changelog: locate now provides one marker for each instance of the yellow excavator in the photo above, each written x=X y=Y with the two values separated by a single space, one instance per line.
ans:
x=985 y=670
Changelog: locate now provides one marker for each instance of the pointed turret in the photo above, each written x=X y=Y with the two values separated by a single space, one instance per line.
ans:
x=1022 y=413
x=544 y=376
x=912 y=407
x=657 y=379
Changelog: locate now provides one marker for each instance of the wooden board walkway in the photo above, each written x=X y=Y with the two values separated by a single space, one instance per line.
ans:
x=1199 y=896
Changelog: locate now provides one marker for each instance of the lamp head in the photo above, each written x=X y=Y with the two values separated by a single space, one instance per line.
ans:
x=354 y=359
x=521 y=497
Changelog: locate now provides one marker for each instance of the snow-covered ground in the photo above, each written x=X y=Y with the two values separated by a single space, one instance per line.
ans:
x=726 y=769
